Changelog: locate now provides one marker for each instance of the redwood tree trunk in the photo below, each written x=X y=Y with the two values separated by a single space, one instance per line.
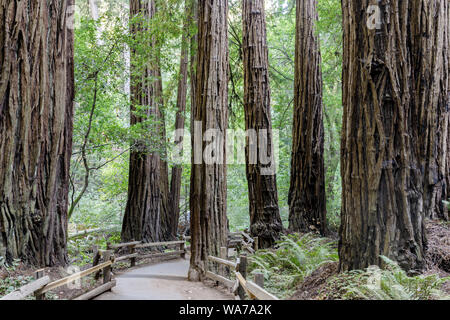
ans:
x=387 y=73
x=431 y=65
x=147 y=207
x=265 y=221
x=307 y=207
x=208 y=181
x=177 y=170
x=36 y=114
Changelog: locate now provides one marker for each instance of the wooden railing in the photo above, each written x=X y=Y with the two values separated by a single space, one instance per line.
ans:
x=241 y=240
x=104 y=260
x=133 y=255
x=103 y=263
x=241 y=287
x=42 y=285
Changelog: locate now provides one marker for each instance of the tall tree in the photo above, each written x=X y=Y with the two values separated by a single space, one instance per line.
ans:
x=391 y=55
x=36 y=114
x=307 y=208
x=265 y=221
x=177 y=170
x=208 y=181
x=147 y=204
x=432 y=95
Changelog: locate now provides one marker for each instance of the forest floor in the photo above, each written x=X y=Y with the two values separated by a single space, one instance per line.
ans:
x=154 y=273
x=315 y=286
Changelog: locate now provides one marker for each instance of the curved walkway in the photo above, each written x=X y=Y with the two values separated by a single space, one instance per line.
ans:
x=162 y=281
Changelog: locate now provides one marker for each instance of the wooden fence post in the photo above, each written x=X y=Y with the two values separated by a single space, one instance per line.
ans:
x=259 y=279
x=243 y=272
x=256 y=243
x=132 y=259
x=39 y=274
x=106 y=270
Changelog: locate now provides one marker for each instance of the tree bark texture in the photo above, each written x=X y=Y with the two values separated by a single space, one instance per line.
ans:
x=431 y=67
x=147 y=206
x=390 y=129
x=307 y=204
x=36 y=123
x=177 y=170
x=265 y=221
x=208 y=181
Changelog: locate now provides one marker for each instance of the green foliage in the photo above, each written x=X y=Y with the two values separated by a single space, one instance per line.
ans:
x=389 y=283
x=294 y=257
x=10 y=284
x=102 y=62
x=80 y=249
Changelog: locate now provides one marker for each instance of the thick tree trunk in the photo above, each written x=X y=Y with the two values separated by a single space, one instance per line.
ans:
x=36 y=114
x=431 y=65
x=147 y=206
x=208 y=181
x=177 y=170
x=388 y=70
x=307 y=207
x=265 y=221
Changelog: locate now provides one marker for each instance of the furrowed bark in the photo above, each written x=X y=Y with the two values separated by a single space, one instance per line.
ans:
x=307 y=207
x=208 y=181
x=265 y=221
x=146 y=206
x=389 y=128
x=431 y=67
x=36 y=123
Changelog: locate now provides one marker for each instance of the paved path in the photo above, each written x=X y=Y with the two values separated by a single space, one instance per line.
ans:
x=162 y=281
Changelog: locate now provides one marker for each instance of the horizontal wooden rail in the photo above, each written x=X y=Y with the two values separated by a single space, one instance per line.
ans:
x=227 y=282
x=97 y=291
x=253 y=290
x=75 y=276
x=158 y=244
x=259 y=292
x=126 y=257
x=223 y=261
x=28 y=289
x=162 y=254
x=123 y=245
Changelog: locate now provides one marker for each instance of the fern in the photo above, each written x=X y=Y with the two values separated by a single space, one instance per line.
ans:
x=390 y=283
x=293 y=258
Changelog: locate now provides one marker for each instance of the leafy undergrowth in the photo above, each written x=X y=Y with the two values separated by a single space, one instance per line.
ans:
x=10 y=278
x=390 y=283
x=80 y=250
x=293 y=258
